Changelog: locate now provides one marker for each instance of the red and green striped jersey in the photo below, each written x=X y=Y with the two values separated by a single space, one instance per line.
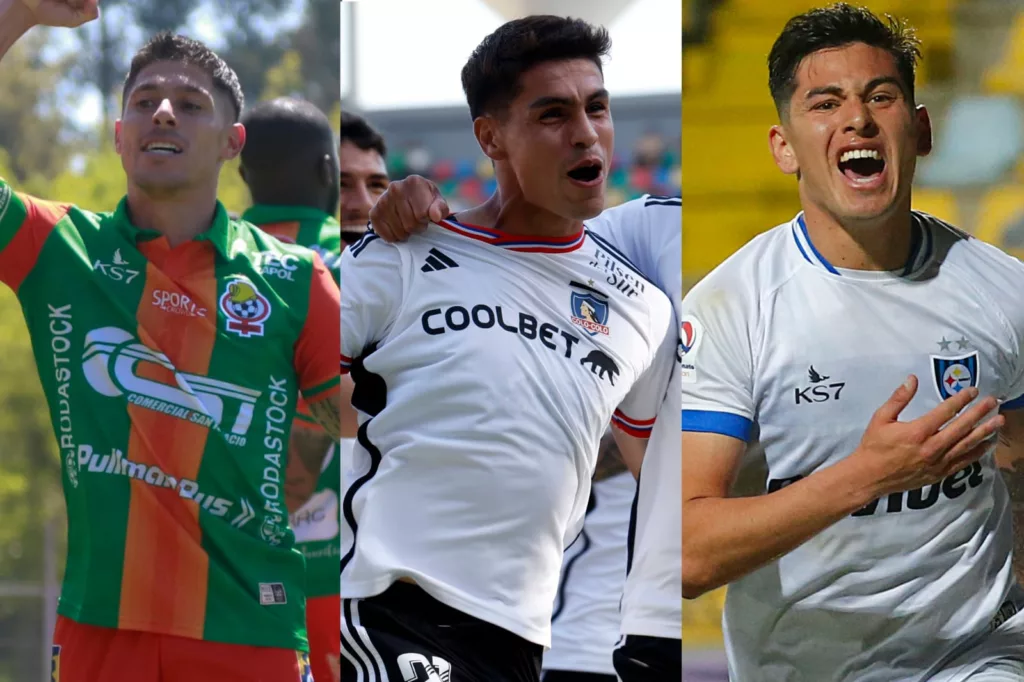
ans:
x=172 y=376
x=317 y=524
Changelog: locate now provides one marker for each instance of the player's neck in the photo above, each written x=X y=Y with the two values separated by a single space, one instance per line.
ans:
x=514 y=215
x=880 y=245
x=180 y=218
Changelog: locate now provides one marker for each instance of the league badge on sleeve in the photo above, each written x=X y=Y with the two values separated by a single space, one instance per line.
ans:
x=690 y=336
x=953 y=375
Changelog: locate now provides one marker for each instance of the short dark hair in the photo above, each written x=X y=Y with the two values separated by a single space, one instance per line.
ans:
x=490 y=78
x=168 y=47
x=285 y=129
x=358 y=131
x=838 y=25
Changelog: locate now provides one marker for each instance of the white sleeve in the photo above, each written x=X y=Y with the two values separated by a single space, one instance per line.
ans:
x=371 y=294
x=717 y=362
x=638 y=411
x=637 y=230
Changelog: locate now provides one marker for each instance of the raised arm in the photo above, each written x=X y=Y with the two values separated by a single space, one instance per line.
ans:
x=18 y=16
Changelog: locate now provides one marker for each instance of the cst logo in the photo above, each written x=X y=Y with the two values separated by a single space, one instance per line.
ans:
x=819 y=392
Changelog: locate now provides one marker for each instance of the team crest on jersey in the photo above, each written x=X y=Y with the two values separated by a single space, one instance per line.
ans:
x=953 y=375
x=55 y=663
x=691 y=333
x=589 y=309
x=245 y=307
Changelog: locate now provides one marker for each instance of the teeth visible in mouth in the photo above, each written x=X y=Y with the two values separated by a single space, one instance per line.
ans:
x=860 y=154
x=162 y=147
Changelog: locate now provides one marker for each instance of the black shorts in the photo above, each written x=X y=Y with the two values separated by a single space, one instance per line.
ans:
x=646 y=659
x=416 y=638
x=571 y=676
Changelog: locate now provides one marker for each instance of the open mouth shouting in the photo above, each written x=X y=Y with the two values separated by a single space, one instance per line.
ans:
x=863 y=167
x=587 y=173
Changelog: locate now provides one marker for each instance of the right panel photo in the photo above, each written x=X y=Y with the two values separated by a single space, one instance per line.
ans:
x=852 y=329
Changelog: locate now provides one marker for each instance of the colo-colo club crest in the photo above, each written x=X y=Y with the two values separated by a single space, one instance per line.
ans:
x=953 y=375
x=589 y=309
x=246 y=309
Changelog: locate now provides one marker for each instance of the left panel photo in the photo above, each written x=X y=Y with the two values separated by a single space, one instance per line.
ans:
x=169 y=190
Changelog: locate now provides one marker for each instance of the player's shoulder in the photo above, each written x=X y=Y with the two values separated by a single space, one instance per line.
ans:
x=958 y=247
x=758 y=267
x=267 y=242
x=645 y=213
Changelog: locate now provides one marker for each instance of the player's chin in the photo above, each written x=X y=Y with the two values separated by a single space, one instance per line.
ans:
x=584 y=205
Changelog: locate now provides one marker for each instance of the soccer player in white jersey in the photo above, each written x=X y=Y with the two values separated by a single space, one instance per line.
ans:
x=648 y=231
x=489 y=355
x=850 y=364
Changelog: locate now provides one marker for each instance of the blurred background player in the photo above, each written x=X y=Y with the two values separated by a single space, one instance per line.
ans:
x=159 y=454
x=364 y=174
x=290 y=164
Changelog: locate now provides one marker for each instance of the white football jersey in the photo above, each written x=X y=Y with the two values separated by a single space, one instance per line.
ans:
x=793 y=356
x=486 y=368
x=648 y=232
x=585 y=620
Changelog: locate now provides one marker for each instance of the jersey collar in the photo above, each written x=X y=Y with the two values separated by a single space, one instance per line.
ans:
x=921 y=247
x=515 y=242
x=267 y=214
x=222 y=233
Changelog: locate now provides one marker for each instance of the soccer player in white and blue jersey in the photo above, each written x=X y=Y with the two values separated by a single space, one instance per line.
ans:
x=869 y=536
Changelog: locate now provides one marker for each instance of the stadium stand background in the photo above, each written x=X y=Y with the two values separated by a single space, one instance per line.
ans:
x=971 y=78
x=438 y=143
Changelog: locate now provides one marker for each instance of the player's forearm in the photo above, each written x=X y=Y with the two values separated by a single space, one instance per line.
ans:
x=349 y=416
x=327 y=413
x=724 y=539
x=306 y=451
x=15 y=21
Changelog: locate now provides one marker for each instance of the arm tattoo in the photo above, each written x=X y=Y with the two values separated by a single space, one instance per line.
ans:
x=306 y=451
x=609 y=459
x=327 y=412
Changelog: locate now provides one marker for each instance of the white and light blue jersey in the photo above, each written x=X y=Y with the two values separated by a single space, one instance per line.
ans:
x=793 y=355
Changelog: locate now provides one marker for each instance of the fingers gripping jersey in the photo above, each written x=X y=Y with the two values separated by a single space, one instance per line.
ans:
x=172 y=377
x=496 y=365
x=796 y=355
x=316 y=523
x=648 y=231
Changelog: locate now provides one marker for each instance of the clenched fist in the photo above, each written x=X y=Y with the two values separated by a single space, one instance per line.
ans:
x=68 y=13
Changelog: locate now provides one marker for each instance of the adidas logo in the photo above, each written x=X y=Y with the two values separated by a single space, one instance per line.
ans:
x=438 y=261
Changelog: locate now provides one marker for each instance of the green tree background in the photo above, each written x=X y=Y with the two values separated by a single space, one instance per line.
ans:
x=277 y=47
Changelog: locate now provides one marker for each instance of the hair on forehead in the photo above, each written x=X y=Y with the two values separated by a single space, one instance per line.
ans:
x=836 y=26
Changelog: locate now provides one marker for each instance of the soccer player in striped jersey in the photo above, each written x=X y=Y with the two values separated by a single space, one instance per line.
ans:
x=172 y=363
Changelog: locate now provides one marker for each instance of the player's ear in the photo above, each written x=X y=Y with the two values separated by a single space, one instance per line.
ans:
x=488 y=135
x=234 y=143
x=924 y=130
x=117 y=136
x=323 y=171
x=782 y=152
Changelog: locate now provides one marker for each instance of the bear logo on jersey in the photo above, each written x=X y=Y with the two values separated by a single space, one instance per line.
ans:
x=953 y=375
x=245 y=308
x=589 y=309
